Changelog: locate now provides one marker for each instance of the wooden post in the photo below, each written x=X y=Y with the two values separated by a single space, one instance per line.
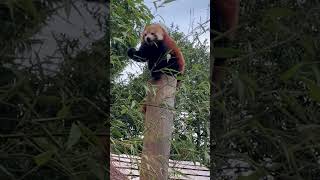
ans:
x=115 y=174
x=158 y=125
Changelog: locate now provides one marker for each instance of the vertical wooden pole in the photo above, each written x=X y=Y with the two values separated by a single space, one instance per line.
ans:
x=158 y=126
x=115 y=174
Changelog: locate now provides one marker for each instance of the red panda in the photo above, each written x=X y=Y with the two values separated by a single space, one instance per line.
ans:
x=160 y=51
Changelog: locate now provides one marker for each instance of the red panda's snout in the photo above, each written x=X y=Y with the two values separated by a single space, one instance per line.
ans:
x=153 y=33
x=152 y=37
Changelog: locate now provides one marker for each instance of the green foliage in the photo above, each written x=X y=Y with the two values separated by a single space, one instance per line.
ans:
x=128 y=18
x=269 y=104
x=161 y=3
x=42 y=97
x=191 y=134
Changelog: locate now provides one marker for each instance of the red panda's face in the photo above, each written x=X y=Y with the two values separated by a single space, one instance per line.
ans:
x=153 y=33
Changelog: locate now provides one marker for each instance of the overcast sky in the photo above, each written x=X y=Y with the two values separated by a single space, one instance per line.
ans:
x=184 y=13
x=72 y=27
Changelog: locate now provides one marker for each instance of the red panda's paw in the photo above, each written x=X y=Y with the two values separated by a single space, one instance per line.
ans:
x=131 y=52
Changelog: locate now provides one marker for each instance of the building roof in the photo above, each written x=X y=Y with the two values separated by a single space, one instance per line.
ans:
x=178 y=170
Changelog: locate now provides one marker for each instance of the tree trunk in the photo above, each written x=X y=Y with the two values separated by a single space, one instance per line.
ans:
x=158 y=126
x=115 y=174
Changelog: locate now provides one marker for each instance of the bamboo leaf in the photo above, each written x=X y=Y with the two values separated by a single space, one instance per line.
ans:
x=89 y=136
x=167 y=1
x=11 y=7
x=133 y=104
x=155 y=5
x=5 y=171
x=314 y=92
x=74 y=136
x=307 y=43
x=64 y=112
x=290 y=72
x=43 y=158
x=316 y=73
x=314 y=89
x=116 y=133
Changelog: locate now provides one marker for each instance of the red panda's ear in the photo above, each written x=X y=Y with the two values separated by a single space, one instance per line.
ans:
x=163 y=27
x=165 y=32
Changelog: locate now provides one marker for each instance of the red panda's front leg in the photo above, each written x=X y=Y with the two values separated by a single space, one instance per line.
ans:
x=138 y=55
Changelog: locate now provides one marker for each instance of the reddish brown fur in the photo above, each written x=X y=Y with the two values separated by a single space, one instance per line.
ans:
x=177 y=52
x=169 y=42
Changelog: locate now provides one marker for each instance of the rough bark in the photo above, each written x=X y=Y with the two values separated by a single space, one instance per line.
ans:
x=158 y=126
